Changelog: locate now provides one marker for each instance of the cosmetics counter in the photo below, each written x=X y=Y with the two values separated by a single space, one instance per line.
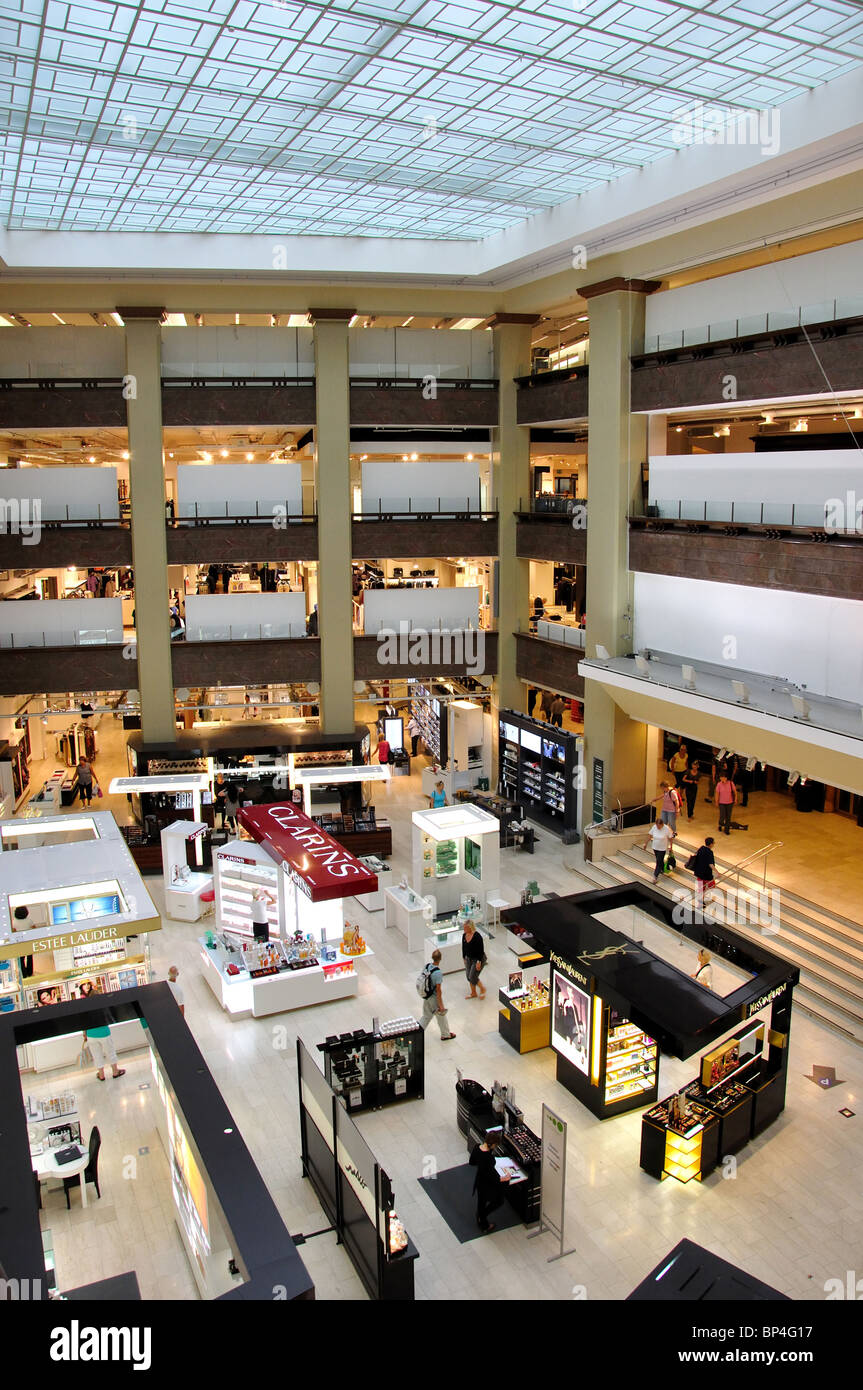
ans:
x=524 y=1015
x=456 y=850
x=372 y=1069
x=352 y=1186
x=538 y=766
x=186 y=883
x=362 y=833
x=278 y=976
x=88 y=918
x=374 y=902
x=734 y=1097
x=479 y=1113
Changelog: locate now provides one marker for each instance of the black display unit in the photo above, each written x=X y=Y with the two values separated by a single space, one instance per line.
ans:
x=538 y=766
x=476 y=1115
x=431 y=715
x=353 y=1188
x=372 y=1069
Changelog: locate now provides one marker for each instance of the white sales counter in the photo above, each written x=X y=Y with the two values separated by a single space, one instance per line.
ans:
x=275 y=994
x=406 y=910
x=184 y=901
x=447 y=940
x=374 y=902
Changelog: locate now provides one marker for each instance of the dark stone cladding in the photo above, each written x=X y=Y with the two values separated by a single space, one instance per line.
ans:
x=550 y=538
x=49 y=669
x=455 y=404
x=831 y=567
x=68 y=545
x=50 y=406
x=212 y=542
x=367 y=666
x=223 y=404
x=555 y=399
x=549 y=663
x=406 y=539
x=764 y=367
x=239 y=663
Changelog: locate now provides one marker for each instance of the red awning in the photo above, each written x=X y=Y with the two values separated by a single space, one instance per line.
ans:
x=318 y=864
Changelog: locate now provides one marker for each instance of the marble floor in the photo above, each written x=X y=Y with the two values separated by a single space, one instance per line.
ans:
x=791 y=1213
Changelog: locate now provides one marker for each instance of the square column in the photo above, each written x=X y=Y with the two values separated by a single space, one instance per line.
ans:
x=143 y=391
x=617 y=444
x=511 y=490
x=333 y=448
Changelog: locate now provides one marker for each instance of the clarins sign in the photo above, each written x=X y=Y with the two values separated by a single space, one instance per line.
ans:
x=317 y=863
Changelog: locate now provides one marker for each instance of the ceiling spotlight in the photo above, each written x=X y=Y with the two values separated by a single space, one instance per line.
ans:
x=125 y=453
x=751 y=764
x=800 y=706
x=92 y=458
x=793 y=777
x=603 y=654
x=768 y=418
x=678 y=429
x=414 y=458
x=642 y=666
x=404 y=458
x=688 y=677
x=208 y=458
x=469 y=458
x=249 y=458
x=741 y=692
x=223 y=453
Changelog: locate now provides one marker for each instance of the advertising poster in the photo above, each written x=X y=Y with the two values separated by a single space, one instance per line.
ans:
x=570 y=1022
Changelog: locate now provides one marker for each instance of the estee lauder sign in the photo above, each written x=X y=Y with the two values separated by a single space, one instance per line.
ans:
x=317 y=863
x=74 y=938
x=568 y=968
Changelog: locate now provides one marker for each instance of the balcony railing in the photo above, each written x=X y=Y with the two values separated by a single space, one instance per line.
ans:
x=84 y=637
x=803 y=516
x=427 y=509
x=552 y=504
x=783 y=320
x=244 y=632
x=245 y=511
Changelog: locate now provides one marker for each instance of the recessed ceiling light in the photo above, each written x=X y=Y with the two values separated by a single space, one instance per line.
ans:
x=223 y=453
x=249 y=458
x=125 y=453
x=92 y=458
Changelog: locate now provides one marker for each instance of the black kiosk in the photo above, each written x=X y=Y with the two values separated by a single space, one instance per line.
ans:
x=615 y=1005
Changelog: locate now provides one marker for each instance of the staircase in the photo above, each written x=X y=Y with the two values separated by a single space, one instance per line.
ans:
x=827 y=948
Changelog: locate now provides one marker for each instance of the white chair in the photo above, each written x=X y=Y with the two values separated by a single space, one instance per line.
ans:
x=494 y=901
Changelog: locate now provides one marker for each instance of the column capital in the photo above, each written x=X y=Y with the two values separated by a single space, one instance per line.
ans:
x=501 y=320
x=331 y=315
x=140 y=311
x=618 y=282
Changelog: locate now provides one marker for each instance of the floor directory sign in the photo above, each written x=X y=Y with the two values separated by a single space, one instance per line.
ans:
x=552 y=1214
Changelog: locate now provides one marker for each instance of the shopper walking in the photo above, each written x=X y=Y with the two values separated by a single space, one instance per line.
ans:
x=433 y=1005
x=99 y=1040
x=546 y=702
x=678 y=763
x=689 y=787
x=415 y=732
x=704 y=972
x=703 y=865
x=487 y=1184
x=670 y=805
x=232 y=806
x=473 y=955
x=725 y=799
x=176 y=990
x=438 y=796
x=85 y=781
x=557 y=708
x=660 y=839
x=220 y=794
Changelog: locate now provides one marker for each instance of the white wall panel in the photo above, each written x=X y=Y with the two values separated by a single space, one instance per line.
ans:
x=804 y=638
x=234 y=617
x=61 y=622
x=447 y=609
x=244 y=489
x=808 y=479
x=77 y=493
x=402 y=487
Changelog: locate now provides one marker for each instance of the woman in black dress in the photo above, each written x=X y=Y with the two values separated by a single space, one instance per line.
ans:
x=486 y=1185
x=473 y=955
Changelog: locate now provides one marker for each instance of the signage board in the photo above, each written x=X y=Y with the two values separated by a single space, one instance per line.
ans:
x=322 y=867
x=598 y=789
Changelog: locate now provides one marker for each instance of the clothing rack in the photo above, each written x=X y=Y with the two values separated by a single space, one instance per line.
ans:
x=76 y=742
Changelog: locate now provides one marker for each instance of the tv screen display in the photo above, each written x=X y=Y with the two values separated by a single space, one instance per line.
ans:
x=570 y=1021
x=554 y=750
x=509 y=731
x=531 y=741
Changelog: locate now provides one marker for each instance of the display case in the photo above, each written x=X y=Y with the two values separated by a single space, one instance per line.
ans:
x=479 y=1111
x=274 y=977
x=456 y=851
x=431 y=715
x=538 y=766
x=362 y=833
x=185 y=882
x=679 y=1139
x=372 y=1069
x=524 y=1015
x=608 y=1062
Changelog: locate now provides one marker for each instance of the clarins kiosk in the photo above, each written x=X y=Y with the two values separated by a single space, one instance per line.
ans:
x=313 y=946
x=186 y=882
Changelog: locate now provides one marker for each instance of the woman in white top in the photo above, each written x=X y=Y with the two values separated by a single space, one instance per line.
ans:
x=659 y=840
x=704 y=973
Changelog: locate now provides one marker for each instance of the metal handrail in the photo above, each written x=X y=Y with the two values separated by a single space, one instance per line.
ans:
x=735 y=868
x=615 y=822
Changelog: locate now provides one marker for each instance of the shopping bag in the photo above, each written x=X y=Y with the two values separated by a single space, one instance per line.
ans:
x=85 y=1057
x=98 y=791
x=670 y=863
x=690 y=863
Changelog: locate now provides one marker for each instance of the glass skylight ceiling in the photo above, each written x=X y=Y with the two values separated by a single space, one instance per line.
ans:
x=384 y=118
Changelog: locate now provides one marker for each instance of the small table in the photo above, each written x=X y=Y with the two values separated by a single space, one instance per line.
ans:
x=46 y=1166
x=496 y=905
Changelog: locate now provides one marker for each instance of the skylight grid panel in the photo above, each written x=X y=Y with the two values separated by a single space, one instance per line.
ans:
x=466 y=20
x=527 y=34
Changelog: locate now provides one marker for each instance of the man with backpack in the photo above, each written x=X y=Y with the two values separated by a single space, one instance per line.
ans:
x=430 y=990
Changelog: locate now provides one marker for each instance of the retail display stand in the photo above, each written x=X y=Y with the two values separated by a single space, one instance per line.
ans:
x=372 y=1069
x=405 y=909
x=480 y=1112
x=184 y=883
x=352 y=1187
x=456 y=851
x=538 y=766
x=524 y=1016
x=738 y=1091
